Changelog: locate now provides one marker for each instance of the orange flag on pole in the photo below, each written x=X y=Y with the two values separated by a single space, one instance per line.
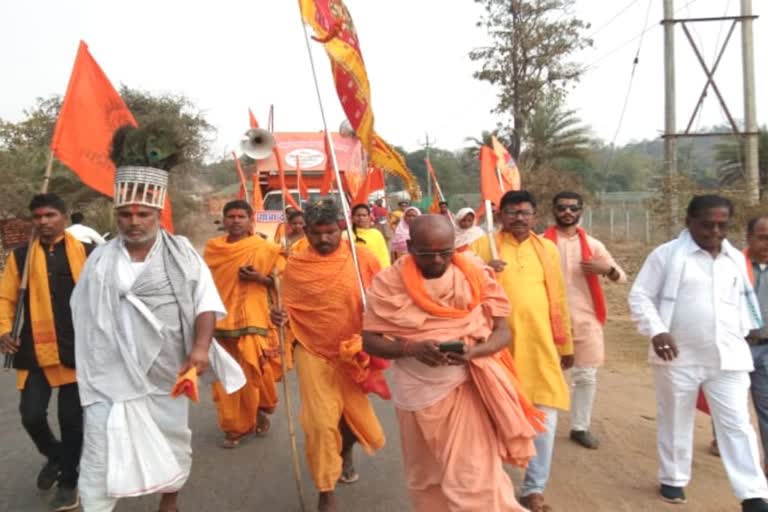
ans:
x=289 y=200
x=257 y=200
x=241 y=175
x=489 y=181
x=252 y=119
x=91 y=112
x=507 y=168
x=300 y=185
x=364 y=190
x=376 y=179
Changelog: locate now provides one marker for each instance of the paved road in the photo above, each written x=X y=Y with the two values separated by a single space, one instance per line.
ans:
x=256 y=476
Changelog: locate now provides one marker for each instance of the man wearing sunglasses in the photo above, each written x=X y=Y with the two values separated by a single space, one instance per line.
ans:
x=584 y=260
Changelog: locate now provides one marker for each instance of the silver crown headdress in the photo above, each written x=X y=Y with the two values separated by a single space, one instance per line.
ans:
x=146 y=186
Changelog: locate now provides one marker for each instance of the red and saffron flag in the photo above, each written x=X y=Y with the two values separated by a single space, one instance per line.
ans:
x=437 y=195
x=507 y=168
x=91 y=112
x=333 y=27
x=241 y=175
x=376 y=179
x=489 y=179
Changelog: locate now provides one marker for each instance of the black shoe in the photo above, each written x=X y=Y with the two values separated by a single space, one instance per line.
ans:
x=66 y=499
x=48 y=475
x=672 y=494
x=585 y=439
x=754 y=505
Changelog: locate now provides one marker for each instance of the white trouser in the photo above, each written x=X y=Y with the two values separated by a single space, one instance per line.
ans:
x=170 y=415
x=726 y=392
x=583 y=387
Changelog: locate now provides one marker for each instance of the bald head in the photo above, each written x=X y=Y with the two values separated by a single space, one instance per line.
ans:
x=431 y=244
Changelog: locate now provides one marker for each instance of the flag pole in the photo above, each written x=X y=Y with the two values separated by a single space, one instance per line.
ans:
x=283 y=362
x=336 y=172
x=18 y=319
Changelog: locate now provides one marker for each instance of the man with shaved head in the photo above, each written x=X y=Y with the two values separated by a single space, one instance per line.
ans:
x=442 y=317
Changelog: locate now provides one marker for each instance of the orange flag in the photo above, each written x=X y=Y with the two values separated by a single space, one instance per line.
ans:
x=489 y=180
x=257 y=200
x=289 y=200
x=361 y=197
x=91 y=112
x=328 y=174
x=510 y=174
x=243 y=186
x=303 y=190
x=252 y=119
x=376 y=179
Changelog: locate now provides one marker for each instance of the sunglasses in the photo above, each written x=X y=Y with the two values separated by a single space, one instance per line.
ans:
x=568 y=207
x=431 y=254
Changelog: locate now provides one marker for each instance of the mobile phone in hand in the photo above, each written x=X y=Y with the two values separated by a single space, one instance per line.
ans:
x=456 y=347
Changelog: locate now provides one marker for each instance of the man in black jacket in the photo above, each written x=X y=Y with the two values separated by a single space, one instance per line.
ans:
x=43 y=354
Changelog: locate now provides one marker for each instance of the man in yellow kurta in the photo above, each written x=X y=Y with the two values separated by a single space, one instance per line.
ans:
x=324 y=305
x=528 y=268
x=44 y=353
x=241 y=264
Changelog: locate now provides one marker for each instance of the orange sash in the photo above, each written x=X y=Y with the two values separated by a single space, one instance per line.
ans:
x=750 y=270
x=551 y=269
x=40 y=308
x=414 y=281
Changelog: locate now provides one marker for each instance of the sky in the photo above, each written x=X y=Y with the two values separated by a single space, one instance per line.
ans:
x=229 y=55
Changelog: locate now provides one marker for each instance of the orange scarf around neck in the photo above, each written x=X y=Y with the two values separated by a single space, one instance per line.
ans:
x=593 y=280
x=750 y=270
x=414 y=284
x=40 y=308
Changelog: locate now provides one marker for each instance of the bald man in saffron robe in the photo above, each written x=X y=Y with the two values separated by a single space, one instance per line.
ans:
x=324 y=308
x=443 y=318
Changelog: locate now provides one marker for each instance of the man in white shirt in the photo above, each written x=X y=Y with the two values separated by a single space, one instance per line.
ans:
x=693 y=299
x=84 y=233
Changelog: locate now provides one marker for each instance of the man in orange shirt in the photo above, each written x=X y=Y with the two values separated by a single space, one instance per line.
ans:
x=241 y=264
x=324 y=306
x=44 y=353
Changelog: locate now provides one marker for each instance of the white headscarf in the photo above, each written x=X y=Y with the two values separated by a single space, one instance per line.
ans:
x=403 y=232
x=465 y=237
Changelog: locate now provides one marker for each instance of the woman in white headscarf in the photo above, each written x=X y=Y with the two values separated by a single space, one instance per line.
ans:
x=403 y=232
x=466 y=230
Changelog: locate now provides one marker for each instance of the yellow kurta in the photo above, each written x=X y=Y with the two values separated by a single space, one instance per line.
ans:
x=533 y=347
x=373 y=240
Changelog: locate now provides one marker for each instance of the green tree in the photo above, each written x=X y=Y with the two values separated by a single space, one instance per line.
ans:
x=554 y=134
x=528 y=60
x=730 y=160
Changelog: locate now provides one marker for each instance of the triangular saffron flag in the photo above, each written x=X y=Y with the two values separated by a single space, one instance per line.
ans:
x=301 y=186
x=489 y=179
x=257 y=200
x=510 y=174
x=252 y=119
x=289 y=200
x=363 y=191
x=91 y=112
x=241 y=175
x=376 y=179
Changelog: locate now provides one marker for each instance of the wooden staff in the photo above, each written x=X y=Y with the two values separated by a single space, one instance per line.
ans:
x=18 y=319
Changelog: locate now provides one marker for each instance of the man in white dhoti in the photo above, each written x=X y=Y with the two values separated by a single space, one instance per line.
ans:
x=694 y=300
x=144 y=311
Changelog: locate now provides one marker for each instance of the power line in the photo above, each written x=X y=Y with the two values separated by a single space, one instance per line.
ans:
x=630 y=41
x=629 y=87
x=613 y=18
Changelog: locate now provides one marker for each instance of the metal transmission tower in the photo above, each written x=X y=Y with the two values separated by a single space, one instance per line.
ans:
x=749 y=133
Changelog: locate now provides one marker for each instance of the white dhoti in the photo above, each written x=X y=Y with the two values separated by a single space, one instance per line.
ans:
x=727 y=396
x=98 y=471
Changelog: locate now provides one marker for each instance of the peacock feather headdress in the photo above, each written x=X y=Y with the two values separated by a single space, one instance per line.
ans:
x=143 y=157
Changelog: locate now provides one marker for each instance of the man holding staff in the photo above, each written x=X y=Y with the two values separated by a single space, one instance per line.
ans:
x=44 y=353
x=324 y=305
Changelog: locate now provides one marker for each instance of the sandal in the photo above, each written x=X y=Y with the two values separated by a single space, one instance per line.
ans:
x=349 y=476
x=230 y=442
